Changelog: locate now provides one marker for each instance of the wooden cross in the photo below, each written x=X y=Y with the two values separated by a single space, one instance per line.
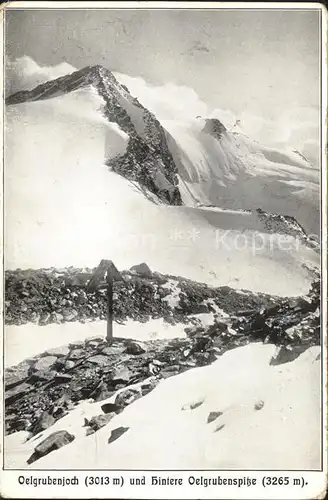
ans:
x=106 y=267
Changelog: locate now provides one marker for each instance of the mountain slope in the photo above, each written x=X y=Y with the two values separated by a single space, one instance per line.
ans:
x=194 y=163
x=231 y=171
x=66 y=207
x=210 y=417
x=147 y=158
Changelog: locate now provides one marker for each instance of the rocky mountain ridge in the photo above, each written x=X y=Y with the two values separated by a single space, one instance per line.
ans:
x=56 y=296
x=147 y=159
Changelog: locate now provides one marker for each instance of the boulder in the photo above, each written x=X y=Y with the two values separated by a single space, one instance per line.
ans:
x=121 y=374
x=69 y=364
x=110 y=408
x=102 y=393
x=17 y=392
x=45 y=363
x=53 y=442
x=42 y=376
x=170 y=370
x=58 y=351
x=77 y=354
x=17 y=376
x=192 y=331
x=45 y=420
x=99 y=360
x=142 y=269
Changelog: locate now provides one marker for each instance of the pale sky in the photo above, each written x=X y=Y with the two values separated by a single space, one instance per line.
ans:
x=252 y=61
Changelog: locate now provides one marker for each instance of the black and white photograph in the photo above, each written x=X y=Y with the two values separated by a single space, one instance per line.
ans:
x=164 y=262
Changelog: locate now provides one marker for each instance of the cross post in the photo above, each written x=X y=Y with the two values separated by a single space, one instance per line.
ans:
x=106 y=267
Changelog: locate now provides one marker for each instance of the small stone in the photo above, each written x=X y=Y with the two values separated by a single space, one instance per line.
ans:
x=35 y=317
x=153 y=369
x=213 y=415
x=112 y=350
x=231 y=331
x=99 y=359
x=121 y=375
x=70 y=315
x=193 y=405
x=63 y=401
x=62 y=378
x=103 y=394
x=259 y=405
x=199 y=308
x=95 y=339
x=147 y=387
x=100 y=421
x=56 y=317
x=217 y=343
x=93 y=344
x=127 y=397
x=219 y=428
x=44 y=422
x=77 y=354
x=76 y=343
x=157 y=362
x=45 y=318
x=45 y=363
x=116 y=433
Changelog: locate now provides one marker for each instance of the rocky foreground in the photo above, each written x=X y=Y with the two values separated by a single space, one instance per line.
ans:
x=41 y=390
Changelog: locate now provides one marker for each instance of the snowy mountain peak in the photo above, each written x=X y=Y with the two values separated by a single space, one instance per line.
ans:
x=90 y=75
x=147 y=159
x=214 y=127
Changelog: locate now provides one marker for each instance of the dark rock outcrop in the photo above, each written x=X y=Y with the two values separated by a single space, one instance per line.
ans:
x=214 y=127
